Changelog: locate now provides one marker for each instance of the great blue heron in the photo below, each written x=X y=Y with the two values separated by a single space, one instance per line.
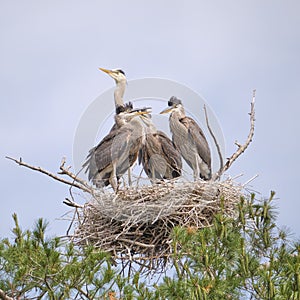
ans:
x=117 y=151
x=158 y=156
x=189 y=139
x=119 y=76
x=120 y=119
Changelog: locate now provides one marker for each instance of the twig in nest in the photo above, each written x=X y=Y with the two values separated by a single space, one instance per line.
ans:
x=76 y=213
x=241 y=148
x=82 y=186
x=72 y=203
x=138 y=226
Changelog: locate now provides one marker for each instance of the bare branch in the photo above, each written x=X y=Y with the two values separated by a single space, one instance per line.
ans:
x=66 y=171
x=72 y=203
x=79 y=185
x=241 y=147
x=214 y=138
x=136 y=243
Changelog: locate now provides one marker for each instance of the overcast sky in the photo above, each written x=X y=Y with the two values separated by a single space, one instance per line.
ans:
x=50 y=52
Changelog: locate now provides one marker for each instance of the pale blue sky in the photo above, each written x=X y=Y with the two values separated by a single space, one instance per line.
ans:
x=50 y=52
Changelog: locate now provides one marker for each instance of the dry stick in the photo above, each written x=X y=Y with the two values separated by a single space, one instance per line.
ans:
x=241 y=148
x=73 y=219
x=39 y=169
x=65 y=171
x=214 y=138
x=71 y=203
x=135 y=243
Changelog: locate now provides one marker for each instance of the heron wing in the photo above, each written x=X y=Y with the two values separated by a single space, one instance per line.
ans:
x=100 y=156
x=197 y=136
x=171 y=154
x=151 y=157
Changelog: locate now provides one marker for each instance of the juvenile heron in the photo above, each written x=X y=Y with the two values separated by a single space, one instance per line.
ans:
x=120 y=79
x=158 y=155
x=189 y=139
x=120 y=119
x=117 y=151
x=119 y=76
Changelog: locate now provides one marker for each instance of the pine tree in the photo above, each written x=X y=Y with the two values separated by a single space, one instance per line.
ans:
x=241 y=257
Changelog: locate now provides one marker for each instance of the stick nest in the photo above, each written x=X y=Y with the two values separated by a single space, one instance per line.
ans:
x=136 y=223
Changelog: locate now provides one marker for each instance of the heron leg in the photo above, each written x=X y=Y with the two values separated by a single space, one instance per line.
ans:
x=152 y=175
x=196 y=168
x=129 y=177
x=113 y=178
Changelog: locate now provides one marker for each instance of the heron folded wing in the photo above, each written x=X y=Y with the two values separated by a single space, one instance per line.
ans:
x=172 y=155
x=197 y=136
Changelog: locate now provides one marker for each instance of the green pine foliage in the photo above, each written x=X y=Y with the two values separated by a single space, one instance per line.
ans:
x=33 y=265
x=241 y=257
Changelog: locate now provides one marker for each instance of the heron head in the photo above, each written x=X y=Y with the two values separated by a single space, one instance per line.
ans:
x=125 y=116
x=174 y=104
x=117 y=74
x=174 y=100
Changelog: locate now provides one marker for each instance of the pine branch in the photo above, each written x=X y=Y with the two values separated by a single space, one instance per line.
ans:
x=4 y=296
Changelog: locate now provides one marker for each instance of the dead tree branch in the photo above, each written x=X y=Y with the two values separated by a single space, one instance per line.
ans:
x=241 y=147
x=66 y=171
x=71 y=203
x=78 y=183
x=214 y=138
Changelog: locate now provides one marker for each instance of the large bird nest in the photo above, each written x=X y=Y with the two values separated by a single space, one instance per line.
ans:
x=136 y=224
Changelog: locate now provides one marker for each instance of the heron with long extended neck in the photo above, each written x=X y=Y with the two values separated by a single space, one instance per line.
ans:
x=158 y=155
x=119 y=76
x=189 y=139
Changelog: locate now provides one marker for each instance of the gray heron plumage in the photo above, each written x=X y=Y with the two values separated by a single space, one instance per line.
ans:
x=189 y=139
x=158 y=155
x=120 y=79
x=117 y=151
x=93 y=159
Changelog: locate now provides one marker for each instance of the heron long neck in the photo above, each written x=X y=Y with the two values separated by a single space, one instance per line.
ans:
x=119 y=93
x=139 y=128
x=148 y=124
x=176 y=127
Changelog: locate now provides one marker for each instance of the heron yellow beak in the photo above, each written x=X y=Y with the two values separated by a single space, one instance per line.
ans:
x=106 y=70
x=166 y=110
x=142 y=112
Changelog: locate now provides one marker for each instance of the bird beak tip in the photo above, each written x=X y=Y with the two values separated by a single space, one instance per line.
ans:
x=105 y=70
x=165 y=111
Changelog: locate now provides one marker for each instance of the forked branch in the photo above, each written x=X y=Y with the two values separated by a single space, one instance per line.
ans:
x=241 y=147
x=77 y=182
